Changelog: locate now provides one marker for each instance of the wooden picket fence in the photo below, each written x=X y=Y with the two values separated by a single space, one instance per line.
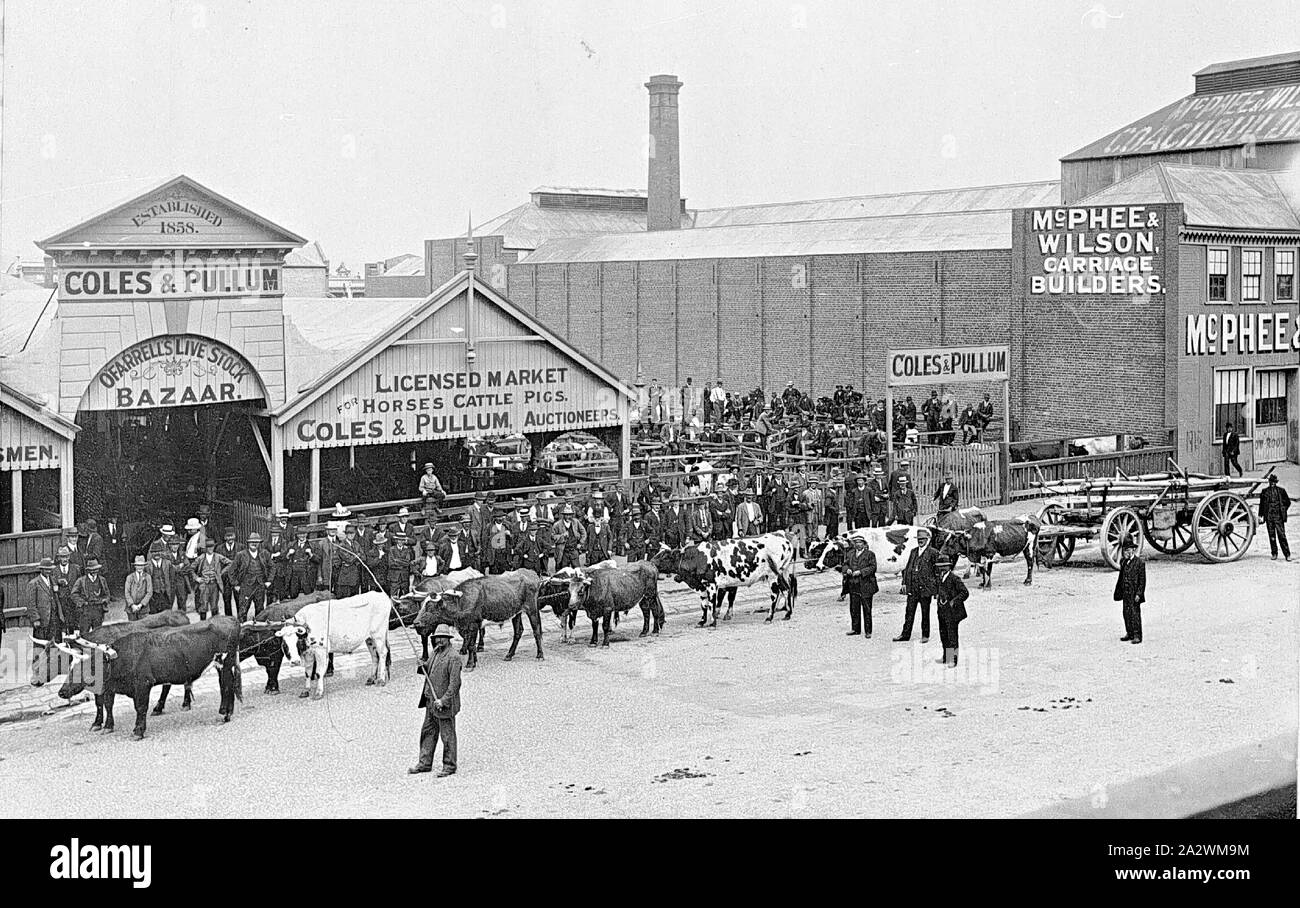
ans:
x=20 y=558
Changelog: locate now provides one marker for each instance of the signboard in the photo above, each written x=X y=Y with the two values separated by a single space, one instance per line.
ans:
x=1207 y=121
x=1112 y=250
x=946 y=365
x=518 y=386
x=172 y=275
x=25 y=444
x=1270 y=444
x=1241 y=332
x=173 y=371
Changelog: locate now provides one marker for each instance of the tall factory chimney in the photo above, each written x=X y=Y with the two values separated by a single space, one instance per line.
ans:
x=664 y=191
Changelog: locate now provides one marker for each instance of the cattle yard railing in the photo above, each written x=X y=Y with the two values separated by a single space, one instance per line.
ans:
x=1026 y=476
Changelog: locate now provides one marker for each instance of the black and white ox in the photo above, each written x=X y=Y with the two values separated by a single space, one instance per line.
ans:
x=136 y=662
x=891 y=545
x=606 y=592
x=993 y=540
x=338 y=626
x=712 y=567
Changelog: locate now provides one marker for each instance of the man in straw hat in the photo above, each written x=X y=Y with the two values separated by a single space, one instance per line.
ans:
x=90 y=593
x=442 y=680
x=860 y=585
x=952 y=608
x=250 y=574
x=138 y=590
x=1131 y=589
x=430 y=486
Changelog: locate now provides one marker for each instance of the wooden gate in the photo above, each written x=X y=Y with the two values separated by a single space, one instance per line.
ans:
x=20 y=557
x=975 y=469
x=247 y=517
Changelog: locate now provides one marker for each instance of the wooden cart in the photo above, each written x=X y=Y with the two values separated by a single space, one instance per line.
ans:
x=1172 y=511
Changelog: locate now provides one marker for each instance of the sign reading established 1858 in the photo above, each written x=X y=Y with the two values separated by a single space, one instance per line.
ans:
x=945 y=365
x=172 y=371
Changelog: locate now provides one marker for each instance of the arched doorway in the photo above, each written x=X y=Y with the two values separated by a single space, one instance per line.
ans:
x=168 y=424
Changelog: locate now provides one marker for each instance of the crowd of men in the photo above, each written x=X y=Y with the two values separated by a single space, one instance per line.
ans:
x=844 y=422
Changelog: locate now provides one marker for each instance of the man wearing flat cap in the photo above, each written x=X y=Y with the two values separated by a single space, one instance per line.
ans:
x=440 y=700
x=1131 y=589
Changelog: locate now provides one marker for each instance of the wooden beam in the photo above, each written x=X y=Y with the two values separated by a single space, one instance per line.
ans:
x=276 y=466
x=261 y=444
x=16 y=485
x=313 y=503
x=66 y=502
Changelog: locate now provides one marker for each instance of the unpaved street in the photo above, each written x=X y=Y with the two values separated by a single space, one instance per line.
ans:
x=788 y=719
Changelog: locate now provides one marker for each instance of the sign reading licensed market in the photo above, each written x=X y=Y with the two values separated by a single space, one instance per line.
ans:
x=173 y=371
x=944 y=365
x=378 y=406
x=1112 y=250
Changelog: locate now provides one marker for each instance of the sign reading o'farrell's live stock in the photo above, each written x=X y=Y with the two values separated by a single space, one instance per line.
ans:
x=389 y=407
x=945 y=365
x=1112 y=250
x=172 y=371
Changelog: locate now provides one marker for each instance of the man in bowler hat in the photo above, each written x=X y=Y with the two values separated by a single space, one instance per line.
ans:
x=1131 y=589
x=442 y=680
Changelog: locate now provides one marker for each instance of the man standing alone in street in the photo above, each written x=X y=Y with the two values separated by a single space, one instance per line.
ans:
x=1131 y=589
x=1231 y=450
x=1273 y=505
x=952 y=609
x=442 y=679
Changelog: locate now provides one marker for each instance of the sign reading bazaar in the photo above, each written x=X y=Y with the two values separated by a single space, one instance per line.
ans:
x=1107 y=250
x=173 y=371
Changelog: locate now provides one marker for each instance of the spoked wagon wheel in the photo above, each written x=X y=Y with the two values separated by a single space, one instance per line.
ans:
x=1176 y=544
x=1120 y=524
x=1223 y=527
x=1059 y=548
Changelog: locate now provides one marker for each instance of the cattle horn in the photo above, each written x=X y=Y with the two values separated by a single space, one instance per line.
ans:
x=98 y=647
x=43 y=644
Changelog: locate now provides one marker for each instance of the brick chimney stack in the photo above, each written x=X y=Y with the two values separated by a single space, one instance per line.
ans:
x=664 y=189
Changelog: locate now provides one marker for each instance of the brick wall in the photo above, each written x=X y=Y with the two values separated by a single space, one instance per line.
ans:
x=382 y=286
x=306 y=282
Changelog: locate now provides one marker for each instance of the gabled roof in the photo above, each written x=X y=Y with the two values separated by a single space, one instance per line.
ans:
x=30 y=408
x=276 y=236
x=1252 y=63
x=308 y=256
x=956 y=230
x=1211 y=196
x=529 y=225
x=417 y=314
x=1261 y=115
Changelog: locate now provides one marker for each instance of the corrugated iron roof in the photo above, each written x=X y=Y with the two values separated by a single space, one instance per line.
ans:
x=529 y=225
x=592 y=190
x=309 y=256
x=846 y=236
x=969 y=198
x=1259 y=115
x=1211 y=196
x=1251 y=63
x=24 y=308
x=405 y=266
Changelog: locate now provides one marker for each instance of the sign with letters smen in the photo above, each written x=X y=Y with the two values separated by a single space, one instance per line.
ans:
x=176 y=370
x=946 y=365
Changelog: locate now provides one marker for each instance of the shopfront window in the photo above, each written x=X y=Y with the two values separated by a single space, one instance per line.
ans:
x=1230 y=396
x=1217 y=268
x=1252 y=270
x=1284 y=274
x=1270 y=398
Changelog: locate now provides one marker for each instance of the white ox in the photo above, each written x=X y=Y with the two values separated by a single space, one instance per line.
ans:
x=338 y=626
x=892 y=546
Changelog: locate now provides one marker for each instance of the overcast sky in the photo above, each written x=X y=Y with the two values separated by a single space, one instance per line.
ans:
x=372 y=125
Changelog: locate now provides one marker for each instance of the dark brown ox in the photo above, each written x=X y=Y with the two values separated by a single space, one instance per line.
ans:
x=497 y=599
x=108 y=634
x=605 y=593
x=137 y=662
x=406 y=608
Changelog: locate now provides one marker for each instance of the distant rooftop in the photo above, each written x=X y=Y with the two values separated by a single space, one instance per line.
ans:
x=1211 y=196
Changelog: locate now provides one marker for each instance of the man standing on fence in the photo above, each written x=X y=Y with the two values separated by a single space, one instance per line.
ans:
x=946 y=494
x=1273 y=505
x=1131 y=589
x=984 y=415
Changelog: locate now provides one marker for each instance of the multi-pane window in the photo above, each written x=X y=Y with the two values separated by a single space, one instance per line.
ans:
x=1217 y=266
x=1230 y=393
x=1252 y=270
x=1284 y=273
x=1270 y=397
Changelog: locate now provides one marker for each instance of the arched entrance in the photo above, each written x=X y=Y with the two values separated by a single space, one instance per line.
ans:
x=168 y=424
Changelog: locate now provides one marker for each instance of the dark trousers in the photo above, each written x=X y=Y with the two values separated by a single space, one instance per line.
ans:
x=253 y=594
x=398 y=582
x=301 y=581
x=1132 y=618
x=1277 y=537
x=71 y=617
x=228 y=600
x=344 y=590
x=832 y=524
x=207 y=599
x=877 y=520
x=431 y=732
x=860 y=611
x=1230 y=460
x=848 y=522
x=909 y=617
x=159 y=602
x=91 y=617
x=948 y=633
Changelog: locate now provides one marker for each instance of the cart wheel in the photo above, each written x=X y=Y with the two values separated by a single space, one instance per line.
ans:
x=1223 y=527
x=1179 y=542
x=1120 y=524
x=1064 y=545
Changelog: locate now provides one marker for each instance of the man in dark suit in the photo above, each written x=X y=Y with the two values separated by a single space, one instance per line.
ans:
x=442 y=678
x=952 y=608
x=1273 y=505
x=922 y=582
x=1231 y=450
x=250 y=575
x=946 y=494
x=228 y=550
x=1131 y=589
x=64 y=578
x=860 y=585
